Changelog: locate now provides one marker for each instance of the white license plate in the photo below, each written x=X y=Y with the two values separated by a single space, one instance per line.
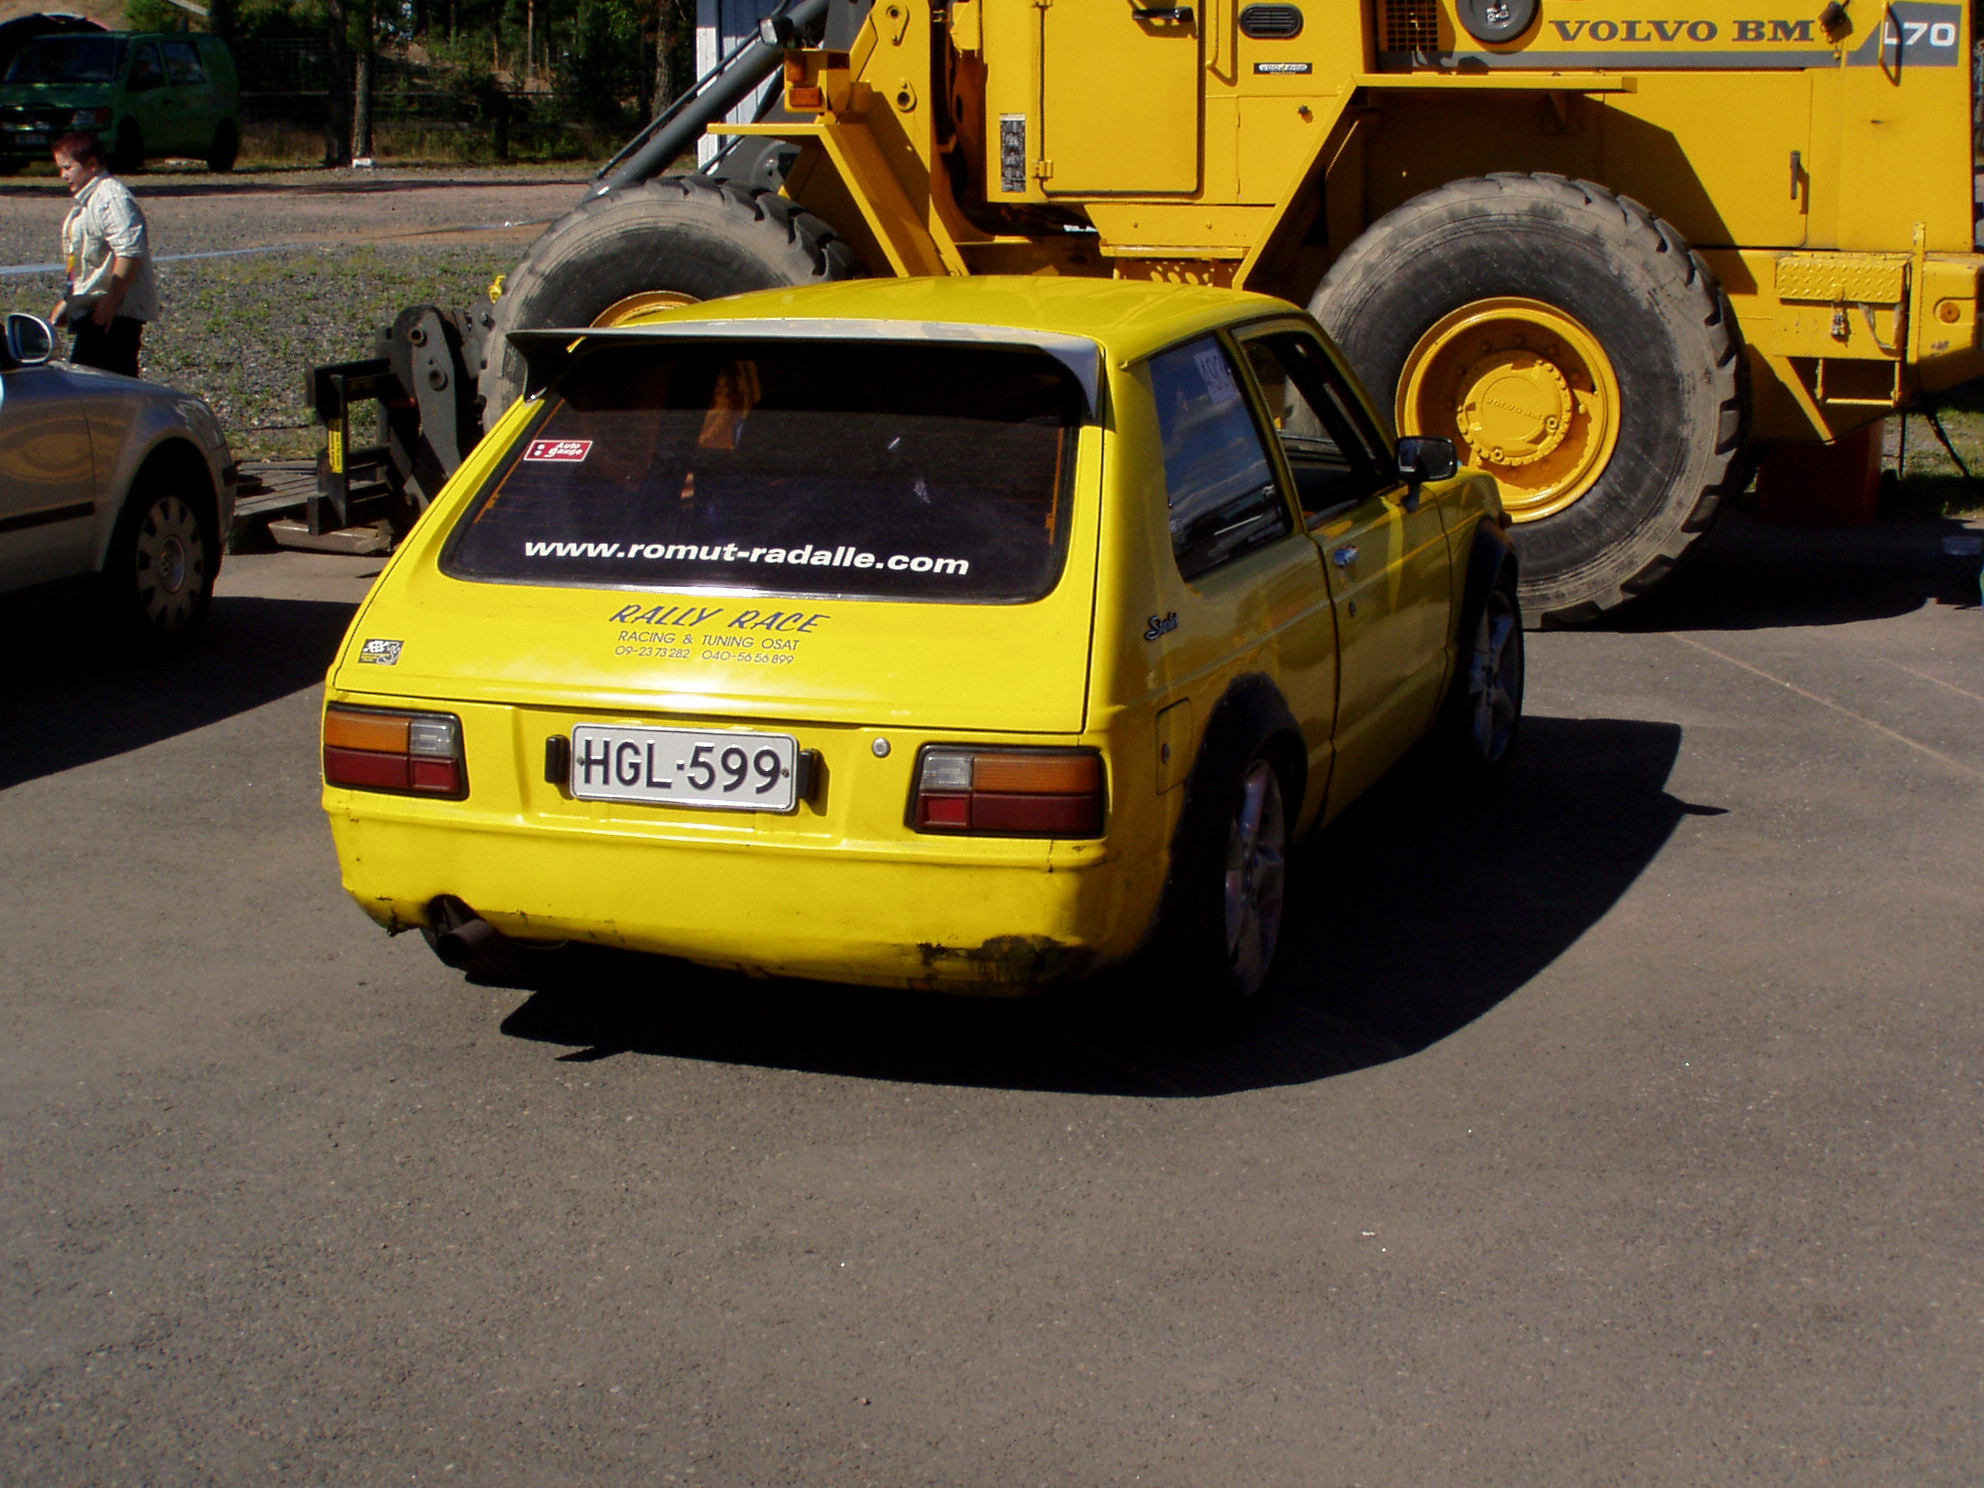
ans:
x=685 y=767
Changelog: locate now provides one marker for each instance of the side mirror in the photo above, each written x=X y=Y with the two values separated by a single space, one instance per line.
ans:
x=29 y=340
x=1426 y=458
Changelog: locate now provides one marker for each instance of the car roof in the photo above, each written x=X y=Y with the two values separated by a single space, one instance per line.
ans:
x=1128 y=319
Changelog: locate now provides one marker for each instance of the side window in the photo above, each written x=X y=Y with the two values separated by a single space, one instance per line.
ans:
x=1218 y=480
x=182 y=64
x=1332 y=452
x=145 y=69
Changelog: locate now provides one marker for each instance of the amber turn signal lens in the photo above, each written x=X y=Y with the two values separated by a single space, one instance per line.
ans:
x=1037 y=774
x=383 y=732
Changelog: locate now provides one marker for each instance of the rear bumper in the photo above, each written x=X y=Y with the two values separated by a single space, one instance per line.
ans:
x=937 y=916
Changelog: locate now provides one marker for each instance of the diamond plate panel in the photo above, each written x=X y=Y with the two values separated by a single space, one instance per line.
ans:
x=1842 y=278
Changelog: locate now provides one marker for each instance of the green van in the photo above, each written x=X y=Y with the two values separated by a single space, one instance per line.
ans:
x=146 y=96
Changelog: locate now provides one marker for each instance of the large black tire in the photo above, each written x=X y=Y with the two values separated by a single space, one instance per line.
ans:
x=127 y=155
x=683 y=234
x=1646 y=297
x=226 y=146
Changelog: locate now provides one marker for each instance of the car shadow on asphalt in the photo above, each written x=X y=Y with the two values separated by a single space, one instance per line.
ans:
x=76 y=698
x=1411 y=917
x=1747 y=574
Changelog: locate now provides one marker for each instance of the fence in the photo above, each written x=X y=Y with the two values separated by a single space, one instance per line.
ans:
x=286 y=82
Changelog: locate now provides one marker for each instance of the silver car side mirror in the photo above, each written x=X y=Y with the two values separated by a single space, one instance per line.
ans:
x=30 y=340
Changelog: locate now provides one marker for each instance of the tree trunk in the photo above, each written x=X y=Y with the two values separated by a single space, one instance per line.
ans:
x=361 y=120
x=667 y=30
x=337 y=103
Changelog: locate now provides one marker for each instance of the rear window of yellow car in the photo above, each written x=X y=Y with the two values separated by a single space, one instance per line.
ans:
x=884 y=470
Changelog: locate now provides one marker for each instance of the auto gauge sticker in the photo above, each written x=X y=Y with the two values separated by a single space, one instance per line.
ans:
x=569 y=450
x=380 y=653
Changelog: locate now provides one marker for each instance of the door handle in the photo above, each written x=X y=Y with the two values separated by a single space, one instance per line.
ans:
x=1344 y=556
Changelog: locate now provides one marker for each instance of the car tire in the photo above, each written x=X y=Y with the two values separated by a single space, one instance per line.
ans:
x=672 y=240
x=1612 y=315
x=127 y=154
x=159 y=573
x=226 y=146
x=1482 y=715
x=1224 y=905
x=9 y=164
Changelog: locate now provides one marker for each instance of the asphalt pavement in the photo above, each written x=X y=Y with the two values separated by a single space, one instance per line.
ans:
x=1622 y=1128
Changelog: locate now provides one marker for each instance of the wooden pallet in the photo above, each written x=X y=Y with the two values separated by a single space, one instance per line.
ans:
x=273 y=488
x=274 y=496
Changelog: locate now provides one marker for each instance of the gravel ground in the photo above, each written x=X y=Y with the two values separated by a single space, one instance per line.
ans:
x=193 y=212
x=347 y=253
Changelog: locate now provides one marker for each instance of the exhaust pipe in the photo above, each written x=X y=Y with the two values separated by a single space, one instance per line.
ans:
x=462 y=946
x=462 y=938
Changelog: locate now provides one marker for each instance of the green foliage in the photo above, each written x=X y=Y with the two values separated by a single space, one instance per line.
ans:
x=607 y=65
x=155 y=15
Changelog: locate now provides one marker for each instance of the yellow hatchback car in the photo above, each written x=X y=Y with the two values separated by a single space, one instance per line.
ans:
x=970 y=635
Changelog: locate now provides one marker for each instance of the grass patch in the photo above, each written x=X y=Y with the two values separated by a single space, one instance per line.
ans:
x=433 y=142
x=243 y=333
x=1930 y=484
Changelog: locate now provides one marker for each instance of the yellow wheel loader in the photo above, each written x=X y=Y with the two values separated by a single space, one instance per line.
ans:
x=1613 y=248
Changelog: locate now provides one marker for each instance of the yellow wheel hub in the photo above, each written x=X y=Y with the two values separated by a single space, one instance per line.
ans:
x=1525 y=391
x=628 y=306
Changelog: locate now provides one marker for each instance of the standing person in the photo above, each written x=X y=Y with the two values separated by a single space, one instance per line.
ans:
x=112 y=293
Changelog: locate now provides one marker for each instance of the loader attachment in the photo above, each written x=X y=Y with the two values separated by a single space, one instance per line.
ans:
x=422 y=381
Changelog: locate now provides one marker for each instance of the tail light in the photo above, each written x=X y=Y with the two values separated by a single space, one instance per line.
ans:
x=1009 y=792
x=386 y=750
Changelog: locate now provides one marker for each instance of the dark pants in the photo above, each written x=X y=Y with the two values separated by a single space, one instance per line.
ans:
x=114 y=350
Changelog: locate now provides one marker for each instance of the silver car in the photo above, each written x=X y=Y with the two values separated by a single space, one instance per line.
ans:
x=110 y=480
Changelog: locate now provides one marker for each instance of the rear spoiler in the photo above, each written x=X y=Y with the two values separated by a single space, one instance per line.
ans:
x=548 y=352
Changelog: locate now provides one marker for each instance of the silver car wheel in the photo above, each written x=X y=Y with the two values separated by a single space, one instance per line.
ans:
x=170 y=565
x=1494 y=678
x=1256 y=875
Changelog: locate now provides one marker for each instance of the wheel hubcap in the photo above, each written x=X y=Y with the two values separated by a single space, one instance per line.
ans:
x=1256 y=871
x=171 y=564
x=1526 y=392
x=1494 y=679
